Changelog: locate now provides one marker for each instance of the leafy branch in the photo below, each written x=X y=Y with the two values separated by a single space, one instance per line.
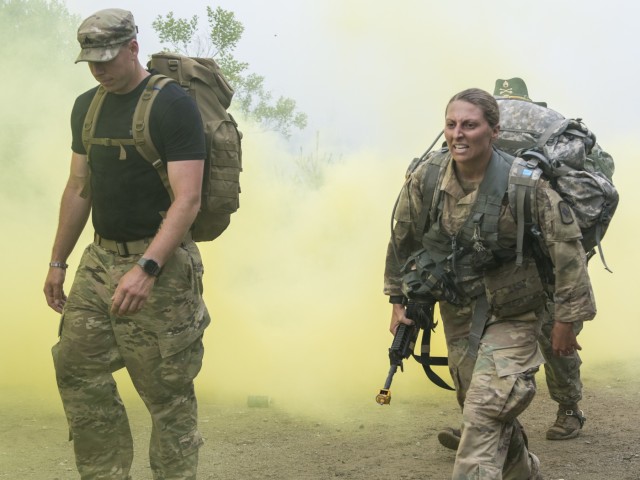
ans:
x=181 y=35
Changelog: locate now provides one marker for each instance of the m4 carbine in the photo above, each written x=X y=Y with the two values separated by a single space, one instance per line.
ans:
x=403 y=345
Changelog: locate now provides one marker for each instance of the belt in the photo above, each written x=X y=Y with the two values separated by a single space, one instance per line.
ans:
x=124 y=249
x=134 y=247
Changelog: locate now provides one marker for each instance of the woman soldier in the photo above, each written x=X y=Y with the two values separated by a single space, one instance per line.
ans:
x=455 y=215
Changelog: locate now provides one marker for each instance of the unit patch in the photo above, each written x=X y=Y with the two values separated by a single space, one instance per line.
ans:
x=566 y=215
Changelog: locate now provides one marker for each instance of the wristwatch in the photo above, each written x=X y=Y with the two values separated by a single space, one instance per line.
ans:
x=150 y=267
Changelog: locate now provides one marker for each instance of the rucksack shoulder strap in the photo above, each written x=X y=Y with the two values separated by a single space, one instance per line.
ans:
x=436 y=165
x=89 y=127
x=91 y=118
x=523 y=178
x=141 y=131
x=89 y=130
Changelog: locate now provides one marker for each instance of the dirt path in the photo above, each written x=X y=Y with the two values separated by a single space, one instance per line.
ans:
x=360 y=442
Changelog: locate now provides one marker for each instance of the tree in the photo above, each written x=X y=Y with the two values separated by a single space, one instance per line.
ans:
x=38 y=46
x=43 y=29
x=252 y=98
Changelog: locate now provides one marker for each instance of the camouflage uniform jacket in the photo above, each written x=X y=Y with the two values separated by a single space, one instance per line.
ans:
x=573 y=295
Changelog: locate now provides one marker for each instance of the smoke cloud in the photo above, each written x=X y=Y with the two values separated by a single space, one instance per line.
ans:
x=295 y=285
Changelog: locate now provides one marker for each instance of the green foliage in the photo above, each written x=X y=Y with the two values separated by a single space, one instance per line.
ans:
x=279 y=115
x=43 y=29
x=224 y=32
x=38 y=46
x=178 y=32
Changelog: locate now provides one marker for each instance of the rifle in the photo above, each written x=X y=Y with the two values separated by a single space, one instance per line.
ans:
x=403 y=345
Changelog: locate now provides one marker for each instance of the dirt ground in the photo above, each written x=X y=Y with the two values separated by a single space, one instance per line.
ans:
x=365 y=441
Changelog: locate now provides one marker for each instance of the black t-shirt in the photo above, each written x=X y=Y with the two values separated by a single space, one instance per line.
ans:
x=128 y=195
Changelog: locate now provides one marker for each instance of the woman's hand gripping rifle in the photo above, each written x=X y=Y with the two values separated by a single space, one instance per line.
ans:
x=404 y=342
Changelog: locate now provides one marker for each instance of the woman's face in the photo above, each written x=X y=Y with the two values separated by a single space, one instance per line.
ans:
x=468 y=135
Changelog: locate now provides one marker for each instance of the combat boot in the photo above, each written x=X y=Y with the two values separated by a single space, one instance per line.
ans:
x=449 y=438
x=568 y=424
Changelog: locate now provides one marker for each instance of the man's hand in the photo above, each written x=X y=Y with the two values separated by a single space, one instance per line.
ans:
x=132 y=292
x=398 y=316
x=563 y=339
x=53 y=288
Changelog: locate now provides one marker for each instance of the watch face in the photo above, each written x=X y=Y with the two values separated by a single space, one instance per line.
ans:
x=149 y=266
x=152 y=267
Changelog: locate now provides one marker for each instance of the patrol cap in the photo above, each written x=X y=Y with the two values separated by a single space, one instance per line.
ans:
x=103 y=33
x=513 y=88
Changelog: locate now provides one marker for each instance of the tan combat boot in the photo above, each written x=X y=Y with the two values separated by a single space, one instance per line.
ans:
x=449 y=438
x=568 y=424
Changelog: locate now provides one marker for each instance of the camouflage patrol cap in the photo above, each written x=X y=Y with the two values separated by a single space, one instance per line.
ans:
x=103 y=33
x=513 y=88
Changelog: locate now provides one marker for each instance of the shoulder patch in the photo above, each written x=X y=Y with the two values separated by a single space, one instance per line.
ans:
x=566 y=215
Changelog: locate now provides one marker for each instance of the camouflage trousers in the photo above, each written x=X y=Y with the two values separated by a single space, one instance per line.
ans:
x=562 y=373
x=161 y=348
x=493 y=390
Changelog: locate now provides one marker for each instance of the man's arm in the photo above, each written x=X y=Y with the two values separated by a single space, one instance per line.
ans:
x=74 y=212
x=135 y=286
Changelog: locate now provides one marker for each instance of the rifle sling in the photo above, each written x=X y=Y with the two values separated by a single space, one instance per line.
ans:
x=478 y=322
x=426 y=360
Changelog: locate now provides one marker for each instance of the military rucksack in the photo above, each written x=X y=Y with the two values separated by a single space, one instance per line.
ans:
x=566 y=153
x=204 y=81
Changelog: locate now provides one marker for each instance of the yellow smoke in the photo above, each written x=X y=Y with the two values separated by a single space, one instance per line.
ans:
x=295 y=285
x=613 y=335
x=295 y=288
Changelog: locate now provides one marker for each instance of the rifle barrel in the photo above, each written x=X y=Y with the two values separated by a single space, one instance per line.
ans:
x=392 y=372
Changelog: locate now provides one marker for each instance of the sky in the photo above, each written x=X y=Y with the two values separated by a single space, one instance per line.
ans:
x=295 y=284
x=365 y=69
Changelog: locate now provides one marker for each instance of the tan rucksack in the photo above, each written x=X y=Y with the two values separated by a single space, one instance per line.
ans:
x=203 y=80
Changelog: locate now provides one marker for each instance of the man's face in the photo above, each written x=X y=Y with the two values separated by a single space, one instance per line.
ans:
x=468 y=134
x=118 y=74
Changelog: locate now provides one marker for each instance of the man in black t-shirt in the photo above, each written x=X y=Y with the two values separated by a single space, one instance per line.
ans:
x=136 y=300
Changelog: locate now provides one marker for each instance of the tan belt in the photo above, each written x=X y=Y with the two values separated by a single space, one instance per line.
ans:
x=135 y=247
